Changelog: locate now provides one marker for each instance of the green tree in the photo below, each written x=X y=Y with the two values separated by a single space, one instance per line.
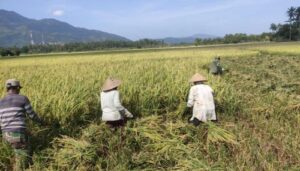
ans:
x=198 y=41
x=3 y=52
x=289 y=31
x=25 y=49
x=297 y=19
x=273 y=27
x=291 y=14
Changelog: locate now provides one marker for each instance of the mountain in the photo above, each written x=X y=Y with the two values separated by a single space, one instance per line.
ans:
x=189 y=39
x=16 y=30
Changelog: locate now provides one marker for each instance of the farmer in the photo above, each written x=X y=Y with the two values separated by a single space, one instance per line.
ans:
x=12 y=118
x=201 y=99
x=215 y=67
x=112 y=110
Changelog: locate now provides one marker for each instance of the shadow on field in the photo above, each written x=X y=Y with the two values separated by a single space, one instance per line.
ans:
x=42 y=137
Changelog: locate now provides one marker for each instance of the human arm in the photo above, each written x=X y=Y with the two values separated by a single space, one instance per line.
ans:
x=190 y=101
x=212 y=91
x=117 y=102
x=128 y=114
x=118 y=105
x=31 y=113
x=123 y=111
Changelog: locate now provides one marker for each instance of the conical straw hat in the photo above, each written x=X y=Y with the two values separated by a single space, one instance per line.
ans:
x=197 y=77
x=111 y=83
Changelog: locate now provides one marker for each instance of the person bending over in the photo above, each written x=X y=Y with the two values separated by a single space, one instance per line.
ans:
x=113 y=113
x=13 y=110
x=201 y=99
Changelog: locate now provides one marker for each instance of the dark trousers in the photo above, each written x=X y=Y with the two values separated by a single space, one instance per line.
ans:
x=117 y=123
x=195 y=122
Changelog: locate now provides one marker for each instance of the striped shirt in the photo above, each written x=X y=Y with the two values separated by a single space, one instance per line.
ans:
x=12 y=113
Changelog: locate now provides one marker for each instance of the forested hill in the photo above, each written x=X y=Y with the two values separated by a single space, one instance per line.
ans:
x=16 y=30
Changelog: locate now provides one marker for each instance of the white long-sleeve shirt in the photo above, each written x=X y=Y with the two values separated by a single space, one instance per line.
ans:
x=201 y=98
x=111 y=105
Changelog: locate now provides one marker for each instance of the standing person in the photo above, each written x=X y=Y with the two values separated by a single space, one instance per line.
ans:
x=215 y=67
x=112 y=110
x=12 y=118
x=201 y=99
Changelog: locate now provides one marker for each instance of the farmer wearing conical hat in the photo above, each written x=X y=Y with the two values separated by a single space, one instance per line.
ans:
x=201 y=99
x=12 y=118
x=112 y=110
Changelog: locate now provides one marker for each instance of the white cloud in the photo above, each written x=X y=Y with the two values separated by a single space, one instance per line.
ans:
x=58 y=12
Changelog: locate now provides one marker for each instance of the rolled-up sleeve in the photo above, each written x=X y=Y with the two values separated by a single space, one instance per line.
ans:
x=117 y=102
x=190 y=101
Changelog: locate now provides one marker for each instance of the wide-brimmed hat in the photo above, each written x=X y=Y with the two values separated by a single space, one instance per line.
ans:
x=111 y=83
x=12 y=83
x=197 y=77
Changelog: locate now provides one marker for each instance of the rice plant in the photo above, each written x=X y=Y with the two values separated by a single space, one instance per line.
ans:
x=257 y=104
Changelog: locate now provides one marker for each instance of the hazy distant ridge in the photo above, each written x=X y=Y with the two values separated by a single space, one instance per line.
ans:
x=189 y=39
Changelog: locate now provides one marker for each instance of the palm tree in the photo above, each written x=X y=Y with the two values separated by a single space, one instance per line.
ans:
x=297 y=13
x=291 y=14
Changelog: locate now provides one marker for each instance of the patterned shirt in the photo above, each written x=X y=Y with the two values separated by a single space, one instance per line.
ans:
x=12 y=113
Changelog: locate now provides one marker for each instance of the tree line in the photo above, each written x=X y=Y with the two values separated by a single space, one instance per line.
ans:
x=80 y=46
x=290 y=31
x=235 y=38
x=10 y=51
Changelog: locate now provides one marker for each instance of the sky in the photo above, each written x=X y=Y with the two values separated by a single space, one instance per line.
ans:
x=137 y=19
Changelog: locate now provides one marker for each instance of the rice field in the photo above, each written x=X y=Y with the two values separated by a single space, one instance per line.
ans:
x=258 y=105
